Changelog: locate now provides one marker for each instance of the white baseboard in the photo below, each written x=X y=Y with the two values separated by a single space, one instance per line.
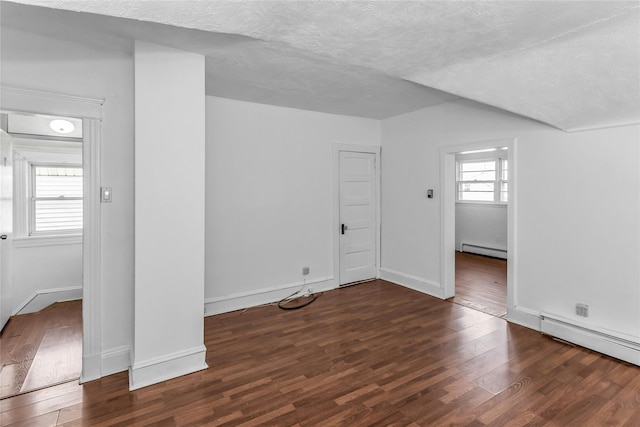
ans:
x=241 y=300
x=412 y=282
x=611 y=343
x=115 y=360
x=45 y=297
x=524 y=317
x=90 y=368
x=152 y=371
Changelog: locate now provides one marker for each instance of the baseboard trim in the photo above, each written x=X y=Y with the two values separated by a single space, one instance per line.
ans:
x=524 y=317
x=45 y=297
x=412 y=282
x=115 y=360
x=613 y=344
x=152 y=371
x=90 y=368
x=242 y=300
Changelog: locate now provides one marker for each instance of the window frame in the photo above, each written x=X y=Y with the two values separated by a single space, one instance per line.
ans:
x=499 y=156
x=32 y=199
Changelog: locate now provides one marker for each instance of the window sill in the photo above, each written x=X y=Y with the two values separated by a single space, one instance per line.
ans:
x=486 y=204
x=34 y=241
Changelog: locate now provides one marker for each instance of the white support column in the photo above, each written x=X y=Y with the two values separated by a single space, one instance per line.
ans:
x=169 y=214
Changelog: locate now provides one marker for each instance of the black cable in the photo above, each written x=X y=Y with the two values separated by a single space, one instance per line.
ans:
x=315 y=297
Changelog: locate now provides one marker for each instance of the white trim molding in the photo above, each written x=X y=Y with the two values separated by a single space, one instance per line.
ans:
x=152 y=371
x=115 y=360
x=91 y=254
x=32 y=101
x=524 y=317
x=242 y=300
x=45 y=297
x=413 y=282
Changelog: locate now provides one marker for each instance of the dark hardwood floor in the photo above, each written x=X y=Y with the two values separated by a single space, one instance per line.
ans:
x=41 y=349
x=481 y=283
x=372 y=354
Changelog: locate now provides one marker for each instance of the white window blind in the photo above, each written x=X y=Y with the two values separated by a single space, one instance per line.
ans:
x=56 y=199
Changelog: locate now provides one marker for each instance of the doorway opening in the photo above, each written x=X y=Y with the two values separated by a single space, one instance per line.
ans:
x=482 y=196
x=478 y=226
x=89 y=112
x=42 y=340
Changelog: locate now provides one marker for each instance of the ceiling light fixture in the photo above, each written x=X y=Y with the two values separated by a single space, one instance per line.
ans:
x=62 y=126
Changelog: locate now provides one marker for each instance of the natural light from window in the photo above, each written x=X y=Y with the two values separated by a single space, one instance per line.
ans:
x=483 y=180
x=56 y=202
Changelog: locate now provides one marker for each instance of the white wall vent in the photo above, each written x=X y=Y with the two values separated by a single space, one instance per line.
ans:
x=612 y=344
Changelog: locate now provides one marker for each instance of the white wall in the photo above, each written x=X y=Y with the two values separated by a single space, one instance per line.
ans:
x=47 y=64
x=42 y=268
x=169 y=214
x=578 y=218
x=484 y=225
x=269 y=196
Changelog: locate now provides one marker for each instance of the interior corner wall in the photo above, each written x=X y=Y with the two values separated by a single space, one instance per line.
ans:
x=47 y=64
x=169 y=214
x=269 y=199
x=578 y=208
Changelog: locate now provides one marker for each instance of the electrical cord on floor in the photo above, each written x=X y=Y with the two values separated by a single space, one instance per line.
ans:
x=295 y=307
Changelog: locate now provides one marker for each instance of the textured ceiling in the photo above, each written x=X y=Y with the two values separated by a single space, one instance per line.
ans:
x=570 y=64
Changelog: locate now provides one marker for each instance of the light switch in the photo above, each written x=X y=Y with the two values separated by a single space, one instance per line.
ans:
x=105 y=194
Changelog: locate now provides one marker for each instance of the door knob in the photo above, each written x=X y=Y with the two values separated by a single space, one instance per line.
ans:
x=344 y=228
x=3 y=237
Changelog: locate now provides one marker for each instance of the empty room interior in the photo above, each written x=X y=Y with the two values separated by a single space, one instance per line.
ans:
x=319 y=213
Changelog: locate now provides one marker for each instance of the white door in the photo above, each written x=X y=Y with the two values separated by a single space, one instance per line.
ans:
x=6 y=226
x=357 y=216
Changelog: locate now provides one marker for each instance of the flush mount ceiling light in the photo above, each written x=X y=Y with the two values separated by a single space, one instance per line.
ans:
x=62 y=126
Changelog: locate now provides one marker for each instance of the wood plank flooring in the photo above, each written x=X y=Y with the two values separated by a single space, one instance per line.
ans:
x=374 y=354
x=481 y=283
x=41 y=349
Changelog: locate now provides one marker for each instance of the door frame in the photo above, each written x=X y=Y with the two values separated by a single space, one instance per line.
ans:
x=448 y=215
x=90 y=110
x=353 y=148
x=6 y=261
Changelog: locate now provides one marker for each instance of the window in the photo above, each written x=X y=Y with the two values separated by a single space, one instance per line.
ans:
x=483 y=181
x=504 y=180
x=56 y=199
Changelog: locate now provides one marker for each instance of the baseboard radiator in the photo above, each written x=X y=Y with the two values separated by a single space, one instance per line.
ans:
x=472 y=248
x=618 y=346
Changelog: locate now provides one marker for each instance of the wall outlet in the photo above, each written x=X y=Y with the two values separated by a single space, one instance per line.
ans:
x=305 y=271
x=582 y=310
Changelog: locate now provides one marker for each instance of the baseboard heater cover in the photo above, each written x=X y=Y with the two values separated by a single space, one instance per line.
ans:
x=615 y=346
x=483 y=250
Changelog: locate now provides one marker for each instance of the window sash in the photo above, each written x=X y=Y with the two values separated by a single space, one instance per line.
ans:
x=56 y=199
x=482 y=181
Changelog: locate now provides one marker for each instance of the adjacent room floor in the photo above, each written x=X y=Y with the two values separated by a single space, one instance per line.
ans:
x=481 y=283
x=41 y=349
